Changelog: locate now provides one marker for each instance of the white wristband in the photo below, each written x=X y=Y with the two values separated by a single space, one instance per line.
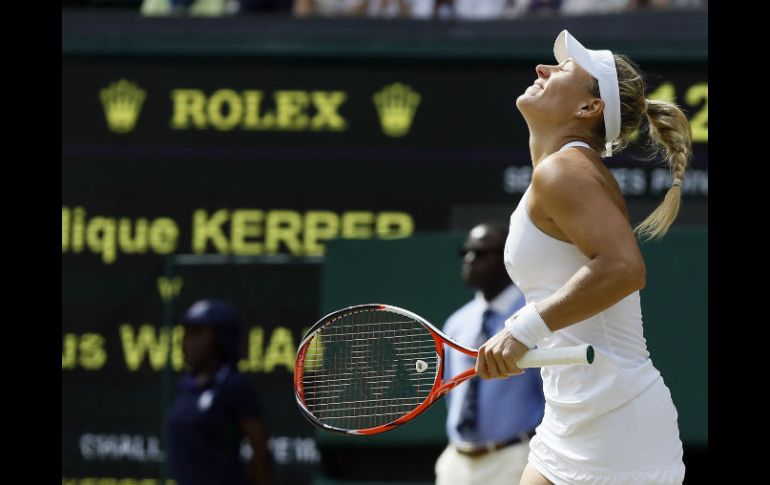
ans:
x=527 y=326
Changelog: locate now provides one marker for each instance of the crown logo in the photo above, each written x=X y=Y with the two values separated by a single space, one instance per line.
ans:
x=122 y=102
x=396 y=104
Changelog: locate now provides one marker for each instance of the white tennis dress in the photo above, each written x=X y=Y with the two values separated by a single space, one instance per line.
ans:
x=612 y=422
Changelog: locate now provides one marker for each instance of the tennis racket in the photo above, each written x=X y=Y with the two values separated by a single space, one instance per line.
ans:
x=367 y=369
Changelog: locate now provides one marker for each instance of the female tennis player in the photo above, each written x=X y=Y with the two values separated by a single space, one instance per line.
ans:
x=572 y=252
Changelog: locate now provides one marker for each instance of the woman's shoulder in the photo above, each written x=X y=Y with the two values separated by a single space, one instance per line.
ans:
x=563 y=178
x=570 y=169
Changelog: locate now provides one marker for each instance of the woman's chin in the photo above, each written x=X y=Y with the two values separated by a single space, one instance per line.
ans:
x=523 y=101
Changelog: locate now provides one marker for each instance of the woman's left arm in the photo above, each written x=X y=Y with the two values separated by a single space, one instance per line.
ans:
x=582 y=209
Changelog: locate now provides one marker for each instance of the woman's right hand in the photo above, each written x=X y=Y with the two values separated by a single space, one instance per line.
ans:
x=498 y=356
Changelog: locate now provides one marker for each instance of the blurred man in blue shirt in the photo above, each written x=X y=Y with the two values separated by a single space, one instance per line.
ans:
x=489 y=422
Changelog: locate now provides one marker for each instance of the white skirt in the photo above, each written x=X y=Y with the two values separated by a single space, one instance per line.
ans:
x=637 y=443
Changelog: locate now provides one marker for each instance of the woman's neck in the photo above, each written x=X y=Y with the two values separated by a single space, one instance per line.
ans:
x=541 y=146
x=548 y=139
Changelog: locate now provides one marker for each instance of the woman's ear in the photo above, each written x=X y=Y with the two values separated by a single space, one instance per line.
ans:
x=591 y=109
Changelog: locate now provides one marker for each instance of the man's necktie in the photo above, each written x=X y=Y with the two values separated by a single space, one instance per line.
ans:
x=469 y=411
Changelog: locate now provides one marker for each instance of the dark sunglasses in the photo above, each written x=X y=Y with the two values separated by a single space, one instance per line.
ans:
x=481 y=252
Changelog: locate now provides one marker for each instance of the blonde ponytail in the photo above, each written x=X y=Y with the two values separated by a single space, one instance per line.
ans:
x=670 y=136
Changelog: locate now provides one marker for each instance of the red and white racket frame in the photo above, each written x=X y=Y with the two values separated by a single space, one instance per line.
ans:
x=581 y=354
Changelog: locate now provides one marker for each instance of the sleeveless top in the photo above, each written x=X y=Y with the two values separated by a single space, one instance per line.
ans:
x=540 y=265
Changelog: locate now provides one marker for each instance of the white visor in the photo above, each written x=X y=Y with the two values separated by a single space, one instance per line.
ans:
x=601 y=65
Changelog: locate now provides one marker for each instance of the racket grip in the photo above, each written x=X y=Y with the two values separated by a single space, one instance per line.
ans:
x=576 y=355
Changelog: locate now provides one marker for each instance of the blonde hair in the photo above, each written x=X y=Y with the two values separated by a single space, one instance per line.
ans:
x=670 y=135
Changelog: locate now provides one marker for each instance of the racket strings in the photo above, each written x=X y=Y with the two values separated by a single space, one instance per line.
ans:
x=368 y=368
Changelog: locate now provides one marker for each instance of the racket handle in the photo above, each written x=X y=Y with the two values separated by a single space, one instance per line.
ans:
x=577 y=355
